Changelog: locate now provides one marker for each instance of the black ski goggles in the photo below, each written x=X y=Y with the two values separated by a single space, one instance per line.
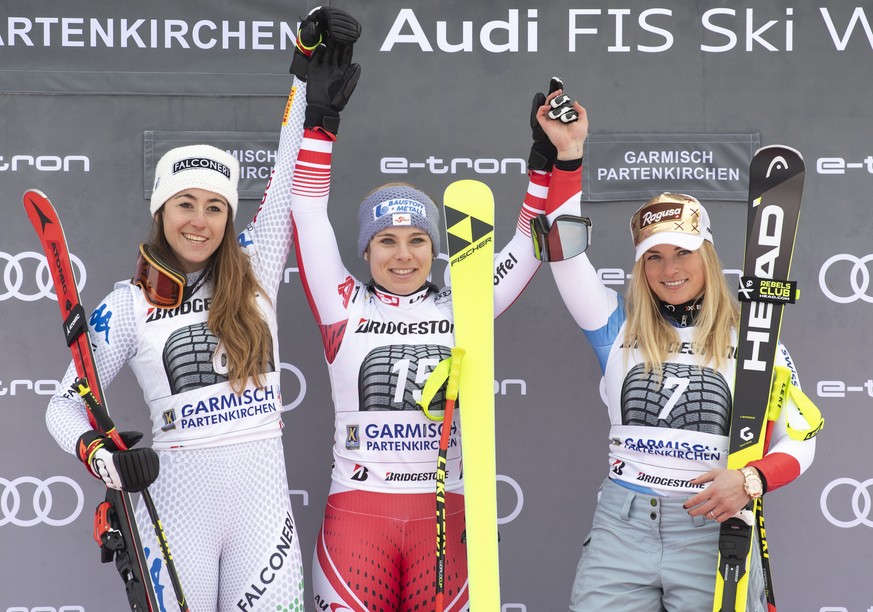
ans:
x=567 y=236
x=162 y=286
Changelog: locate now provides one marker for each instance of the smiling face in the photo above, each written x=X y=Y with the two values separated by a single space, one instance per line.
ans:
x=674 y=274
x=194 y=224
x=400 y=259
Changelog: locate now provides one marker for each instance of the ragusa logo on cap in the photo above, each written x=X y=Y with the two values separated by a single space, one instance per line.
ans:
x=399 y=205
x=660 y=212
x=201 y=163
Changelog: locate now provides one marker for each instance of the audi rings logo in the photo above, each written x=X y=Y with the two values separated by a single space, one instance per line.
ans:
x=27 y=277
x=857 y=275
x=856 y=502
x=27 y=501
x=301 y=386
x=519 y=499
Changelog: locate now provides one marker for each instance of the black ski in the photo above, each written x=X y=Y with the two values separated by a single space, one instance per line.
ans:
x=115 y=525
x=776 y=176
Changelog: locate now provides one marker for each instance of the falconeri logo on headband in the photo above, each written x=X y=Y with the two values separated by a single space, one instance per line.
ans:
x=399 y=206
x=195 y=163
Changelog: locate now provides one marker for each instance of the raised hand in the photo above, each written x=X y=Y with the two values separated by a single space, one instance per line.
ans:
x=323 y=25
x=332 y=79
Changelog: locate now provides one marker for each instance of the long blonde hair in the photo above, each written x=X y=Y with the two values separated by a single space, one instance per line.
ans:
x=234 y=316
x=657 y=339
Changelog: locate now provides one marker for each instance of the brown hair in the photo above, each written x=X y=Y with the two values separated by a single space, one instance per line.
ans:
x=234 y=316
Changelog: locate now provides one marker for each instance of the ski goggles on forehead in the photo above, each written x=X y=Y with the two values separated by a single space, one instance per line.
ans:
x=162 y=286
x=567 y=236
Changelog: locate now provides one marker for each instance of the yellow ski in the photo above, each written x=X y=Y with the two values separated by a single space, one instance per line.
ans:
x=469 y=209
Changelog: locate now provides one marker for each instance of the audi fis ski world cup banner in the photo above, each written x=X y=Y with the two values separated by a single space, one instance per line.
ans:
x=679 y=97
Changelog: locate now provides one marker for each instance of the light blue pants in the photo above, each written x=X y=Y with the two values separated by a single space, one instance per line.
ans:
x=646 y=553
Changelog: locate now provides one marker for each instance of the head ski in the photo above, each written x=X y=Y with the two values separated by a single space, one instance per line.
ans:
x=776 y=177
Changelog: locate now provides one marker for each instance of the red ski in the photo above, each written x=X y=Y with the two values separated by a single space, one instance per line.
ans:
x=115 y=526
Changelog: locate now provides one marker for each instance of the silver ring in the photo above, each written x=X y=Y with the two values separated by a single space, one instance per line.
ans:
x=712 y=514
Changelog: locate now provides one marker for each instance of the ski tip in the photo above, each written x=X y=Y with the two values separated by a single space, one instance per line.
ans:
x=466 y=183
x=781 y=147
x=772 y=165
x=39 y=210
x=36 y=192
x=33 y=194
x=468 y=190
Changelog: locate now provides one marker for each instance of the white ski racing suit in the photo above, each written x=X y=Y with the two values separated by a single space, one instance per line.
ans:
x=664 y=432
x=376 y=547
x=222 y=493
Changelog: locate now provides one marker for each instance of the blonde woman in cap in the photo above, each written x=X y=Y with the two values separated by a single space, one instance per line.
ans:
x=382 y=336
x=197 y=325
x=667 y=353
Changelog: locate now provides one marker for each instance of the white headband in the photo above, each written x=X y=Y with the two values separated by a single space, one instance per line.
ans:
x=196 y=167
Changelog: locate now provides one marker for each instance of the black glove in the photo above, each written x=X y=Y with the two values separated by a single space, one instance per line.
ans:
x=322 y=25
x=543 y=153
x=123 y=470
x=332 y=79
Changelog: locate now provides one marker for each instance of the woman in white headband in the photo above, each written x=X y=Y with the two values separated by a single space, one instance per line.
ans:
x=668 y=357
x=197 y=324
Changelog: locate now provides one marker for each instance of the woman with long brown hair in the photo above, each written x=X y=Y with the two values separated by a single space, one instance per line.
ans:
x=197 y=325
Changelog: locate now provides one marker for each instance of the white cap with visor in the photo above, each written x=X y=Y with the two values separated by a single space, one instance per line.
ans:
x=670 y=218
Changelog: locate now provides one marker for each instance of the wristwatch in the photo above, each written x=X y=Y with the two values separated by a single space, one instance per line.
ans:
x=753 y=486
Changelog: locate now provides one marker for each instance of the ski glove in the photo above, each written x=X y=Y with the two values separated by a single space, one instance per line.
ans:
x=332 y=79
x=123 y=470
x=543 y=153
x=323 y=24
x=562 y=108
